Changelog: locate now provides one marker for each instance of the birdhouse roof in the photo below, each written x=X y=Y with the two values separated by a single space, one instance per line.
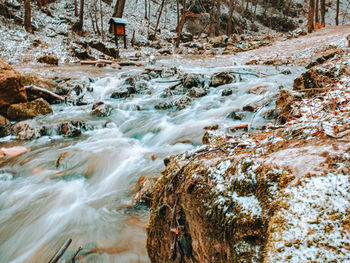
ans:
x=116 y=20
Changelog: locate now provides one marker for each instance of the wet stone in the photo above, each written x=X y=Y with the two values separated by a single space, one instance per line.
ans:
x=183 y=102
x=236 y=115
x=163 y=105
x=222 y=78
x=194 y=80
x=226 y=92
x=72 y=128
x=121 y=93
x=100 y=109
x=197 y=92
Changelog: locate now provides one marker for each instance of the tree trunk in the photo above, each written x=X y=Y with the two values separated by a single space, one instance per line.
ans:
x=211 y=23
x=323 y=11
x=76 y=8
x=218 y=15
x=81 y=15
x=337 y=14
x=28 y=17
x=181 y=23
x=146 y=17
x=160 y=14
x=101 y=14
x=316 y=12
x=229 y=22
x=310 y=21
x=39 y=4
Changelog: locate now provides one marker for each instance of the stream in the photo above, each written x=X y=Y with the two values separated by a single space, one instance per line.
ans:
x=88 y=195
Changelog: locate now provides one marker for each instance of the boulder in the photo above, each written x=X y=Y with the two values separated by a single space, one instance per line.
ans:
x=197 y=92
x=163 y=105
x=122 y=92
x=194 y=80
x=314 y=80
x=183 y=102
x=48 y=59
x=100 y=109
x=71 y=128
x=144 y=188
x=28 y=110
x=284 y=102
x=102 y=47
x=3 y=121
x=27 y=130
x=11 y=87
x=226 y=92
x=222 y=78
x=236 y=115
x=258 y=90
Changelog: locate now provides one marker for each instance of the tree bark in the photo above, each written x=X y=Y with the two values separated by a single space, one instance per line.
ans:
x=211 y=23
x=28 y=17
x=229 y=22
x=160 y=14
x=76 y=8
x=101 y=14
x=337 y=14
x=323 y=11
x=218 y=15
x=310 y=22
x=81 y=15
x=316 y=12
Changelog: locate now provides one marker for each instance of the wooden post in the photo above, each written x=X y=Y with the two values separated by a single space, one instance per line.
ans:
x=124 y=37
x=115 y=34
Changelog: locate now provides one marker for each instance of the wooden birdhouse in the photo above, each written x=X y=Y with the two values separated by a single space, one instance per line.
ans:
x=118 y=28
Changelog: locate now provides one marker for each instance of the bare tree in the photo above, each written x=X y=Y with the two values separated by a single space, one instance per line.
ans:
x=101 y=14
x=323 y=11
x=76 y=8
x=28 y=17
x=230 y=13
x=310 y=21
x=316 y=12
x=337 y=13
x=160 y=14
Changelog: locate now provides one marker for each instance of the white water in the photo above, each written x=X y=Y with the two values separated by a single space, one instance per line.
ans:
x=88 y=196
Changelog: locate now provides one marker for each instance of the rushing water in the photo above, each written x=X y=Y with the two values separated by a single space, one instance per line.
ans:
x=88 y=196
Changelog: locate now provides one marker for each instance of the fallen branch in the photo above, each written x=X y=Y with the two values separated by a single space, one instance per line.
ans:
x=244 y=73
x=76 y=254
x=34 y=92
x=61 y=251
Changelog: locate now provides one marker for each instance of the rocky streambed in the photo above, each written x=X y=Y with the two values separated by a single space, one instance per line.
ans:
x=86 y=165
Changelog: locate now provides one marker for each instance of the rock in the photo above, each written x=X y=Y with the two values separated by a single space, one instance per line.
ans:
x=197 y=92
x=183 y=102
x=11 y=87
x=3 y=121
x=286 y=72
x=165 y=51
x=219 y=41
x=238 y=127
x=237 y=115
x=81 y=53
x=314 y=80
x=226 y=92
x=324 y=57
x=208 y=212
x=102 y=47
x=28 y=110
x=12 y=151
x=258 y=90
x=269 y=114
x=194 y=80
x=29 y=79
x=123 y=92
x=249 y=107
x=72 y=128
x=27 y=130
x=163 y=105
x=212 y=127
x=222 y=78
x=283 y=110
x=34 y=92
x=100 y=109
x=48 y=59
x=144 y=187
x=186 y=37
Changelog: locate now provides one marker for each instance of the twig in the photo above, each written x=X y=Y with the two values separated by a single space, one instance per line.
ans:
x=76 y=254
x=61 y=251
